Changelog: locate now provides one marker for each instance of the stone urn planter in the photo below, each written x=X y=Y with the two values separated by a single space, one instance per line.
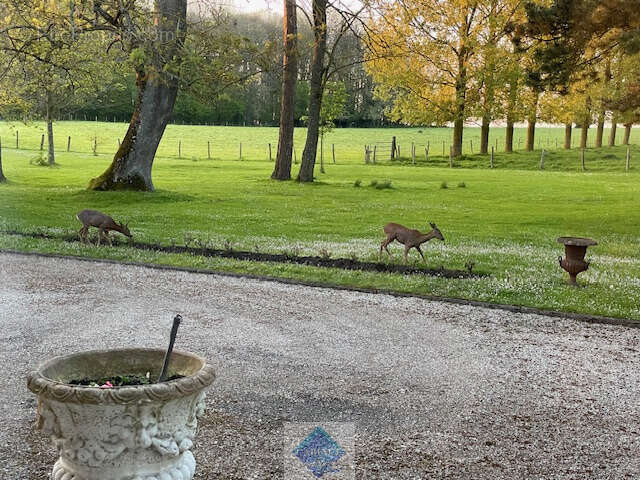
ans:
x=575 y=249
x=142 y=432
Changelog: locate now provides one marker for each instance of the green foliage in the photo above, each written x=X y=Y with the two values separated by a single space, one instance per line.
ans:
x=462 y=185
x=443 y=185
x=357 y=183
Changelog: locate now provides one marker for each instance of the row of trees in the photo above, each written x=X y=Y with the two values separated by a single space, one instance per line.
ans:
x=433 y=62
x=508 y=60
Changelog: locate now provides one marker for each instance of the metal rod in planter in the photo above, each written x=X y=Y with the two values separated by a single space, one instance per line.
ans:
x=172 y=339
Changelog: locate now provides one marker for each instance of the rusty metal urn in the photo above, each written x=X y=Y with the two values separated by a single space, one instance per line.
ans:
x=575 y=249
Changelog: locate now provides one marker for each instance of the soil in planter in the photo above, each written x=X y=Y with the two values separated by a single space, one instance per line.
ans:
x=119 y=380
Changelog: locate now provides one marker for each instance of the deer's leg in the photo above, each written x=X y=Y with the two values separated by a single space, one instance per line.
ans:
x=384 y=244
x=83 y=234
x=406 y=250
x=99 y=236
x=420 y=252
x=106 y=235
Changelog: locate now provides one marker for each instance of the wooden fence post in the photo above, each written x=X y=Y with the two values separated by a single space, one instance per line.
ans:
x=541 y=166
x=17 y=139
x=582 y=158
x=333 y=152
x=270 y=152
x=628 y=163
x=179 y=148
x=209 y=149
x=240 y=151
x=471 y=146
x=374 y=153
x=491 y=164
x=42 y=142
x=443 y=148
x=95 y=146
x=450 y=156
x=413 y=153
x=393 y=148
x=69 y=143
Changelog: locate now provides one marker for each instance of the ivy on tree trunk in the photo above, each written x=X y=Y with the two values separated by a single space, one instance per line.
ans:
x=157 y=91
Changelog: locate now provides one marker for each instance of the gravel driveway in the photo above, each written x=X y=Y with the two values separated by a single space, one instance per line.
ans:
x=434 y=390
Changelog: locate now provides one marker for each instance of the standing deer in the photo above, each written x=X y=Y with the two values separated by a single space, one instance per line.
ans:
x=409 y=238
x=104 y=223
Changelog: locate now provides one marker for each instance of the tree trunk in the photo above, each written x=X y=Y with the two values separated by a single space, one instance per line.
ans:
x=511 y=105
x=316 y=90
x=531 y=120
x=51 y=156
x=612 y=133
x=508 y=139
x=2 y=177
x=282 y=170
x=584 y=136
x=627 y=133
x=461 y=92
x=600 y=129
x=484 y=135
x=157 y=90
x=567 y=136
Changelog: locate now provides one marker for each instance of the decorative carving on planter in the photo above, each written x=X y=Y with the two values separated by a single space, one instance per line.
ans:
x=118 y=438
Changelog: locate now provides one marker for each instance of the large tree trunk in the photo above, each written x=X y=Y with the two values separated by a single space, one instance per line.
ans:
x=567 y=135
x=531 y=121
x=51 y=156
x=282 y=170
x=157 y=90
x=461 y=93
x=612 y=133
x=316 y=90
x=627 y=133
x=600 y=129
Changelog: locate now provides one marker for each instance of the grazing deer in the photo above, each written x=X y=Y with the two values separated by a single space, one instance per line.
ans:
x=104 y=223
x=409 y=238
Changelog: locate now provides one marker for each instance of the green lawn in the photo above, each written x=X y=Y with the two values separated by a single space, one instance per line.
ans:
x=504 y=220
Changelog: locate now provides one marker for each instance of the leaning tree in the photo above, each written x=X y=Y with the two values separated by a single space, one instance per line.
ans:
x=157 y=55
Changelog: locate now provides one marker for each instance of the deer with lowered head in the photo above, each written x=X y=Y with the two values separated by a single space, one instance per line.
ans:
x=104 y=223
x=409 y=238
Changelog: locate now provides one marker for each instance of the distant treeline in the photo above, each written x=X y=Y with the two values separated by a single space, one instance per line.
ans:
x=257 y=101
